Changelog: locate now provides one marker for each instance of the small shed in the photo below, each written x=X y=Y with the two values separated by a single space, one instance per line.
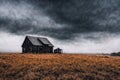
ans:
x=58 y=50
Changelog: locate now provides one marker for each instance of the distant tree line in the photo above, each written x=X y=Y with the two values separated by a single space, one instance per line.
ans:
x=115 y=54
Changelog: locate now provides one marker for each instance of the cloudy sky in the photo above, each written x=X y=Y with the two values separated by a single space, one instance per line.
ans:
x=79 y=26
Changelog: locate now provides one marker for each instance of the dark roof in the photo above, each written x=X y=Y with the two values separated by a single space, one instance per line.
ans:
x=45 y=41
x=39 y=41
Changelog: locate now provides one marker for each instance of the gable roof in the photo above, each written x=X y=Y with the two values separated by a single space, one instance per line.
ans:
x=34 y=41
x=39 y=41
x=45 y=41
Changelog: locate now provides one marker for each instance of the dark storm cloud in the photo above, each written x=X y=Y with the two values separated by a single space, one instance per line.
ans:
x=86 y=16
x=61 y=19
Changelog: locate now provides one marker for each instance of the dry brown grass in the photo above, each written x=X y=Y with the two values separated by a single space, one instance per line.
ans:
x=58 y=67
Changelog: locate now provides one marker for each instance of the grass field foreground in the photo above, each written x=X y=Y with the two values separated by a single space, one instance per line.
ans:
x=59 y=67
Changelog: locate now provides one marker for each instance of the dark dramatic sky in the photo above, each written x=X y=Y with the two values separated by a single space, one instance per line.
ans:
x=84 y=25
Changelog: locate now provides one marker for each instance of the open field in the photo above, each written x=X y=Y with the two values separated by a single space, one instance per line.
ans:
x=58 y=67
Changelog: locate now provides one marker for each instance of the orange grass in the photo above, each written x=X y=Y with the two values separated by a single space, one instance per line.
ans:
x=59 y=67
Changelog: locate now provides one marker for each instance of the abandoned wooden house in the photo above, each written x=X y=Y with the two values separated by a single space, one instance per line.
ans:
x=37 y=45
x=58 y=50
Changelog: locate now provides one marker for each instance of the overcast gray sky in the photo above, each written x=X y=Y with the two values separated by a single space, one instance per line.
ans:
x=79 y=26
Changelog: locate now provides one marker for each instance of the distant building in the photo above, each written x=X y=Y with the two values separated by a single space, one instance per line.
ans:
x=58 y=50
x=37 y=45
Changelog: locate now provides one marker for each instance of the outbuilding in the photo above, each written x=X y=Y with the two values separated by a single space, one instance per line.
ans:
x=58 y=50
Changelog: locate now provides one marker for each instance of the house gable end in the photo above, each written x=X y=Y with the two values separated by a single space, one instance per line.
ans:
x=26 y=42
